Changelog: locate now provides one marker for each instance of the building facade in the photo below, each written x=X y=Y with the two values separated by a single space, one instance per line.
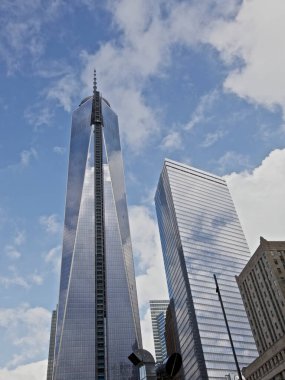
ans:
x=171 y=335
x=51 y=345
x=201 y=236
x=262 y=286
x=171 y=332
x=158 y=311
x=97 y=320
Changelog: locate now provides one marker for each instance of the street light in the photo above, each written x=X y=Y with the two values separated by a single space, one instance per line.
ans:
x=228 y=328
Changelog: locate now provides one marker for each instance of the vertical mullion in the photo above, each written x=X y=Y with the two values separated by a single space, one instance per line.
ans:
x=100 y=297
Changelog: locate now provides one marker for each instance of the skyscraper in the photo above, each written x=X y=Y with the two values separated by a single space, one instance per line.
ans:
x=262 y=286
x=158 y=311
x=201 y=235
x=51 y=346
x=171 y=333
x=97 y=320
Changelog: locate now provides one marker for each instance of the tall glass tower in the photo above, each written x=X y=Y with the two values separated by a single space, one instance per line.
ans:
x=158 y=312
x=201 y=235
x=97 y=319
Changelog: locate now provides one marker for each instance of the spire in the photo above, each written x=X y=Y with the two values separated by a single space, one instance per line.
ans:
x=96 y=116
x=94 y=83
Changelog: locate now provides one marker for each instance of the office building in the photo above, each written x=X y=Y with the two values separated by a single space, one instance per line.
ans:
x=51 y=346
x=201 y=236
x=171 y=333
x=98 y=320
x=158 y=311
x=262 y=286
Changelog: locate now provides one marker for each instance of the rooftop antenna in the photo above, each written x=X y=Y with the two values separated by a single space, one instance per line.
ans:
x=94 y=83
x=96 y=116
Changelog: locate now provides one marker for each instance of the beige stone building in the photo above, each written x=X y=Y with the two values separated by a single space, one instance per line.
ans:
x=262 y=286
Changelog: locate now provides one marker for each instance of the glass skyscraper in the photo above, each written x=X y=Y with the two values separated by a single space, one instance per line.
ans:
x=97 y=319
x=201 y=235
x=158 y=311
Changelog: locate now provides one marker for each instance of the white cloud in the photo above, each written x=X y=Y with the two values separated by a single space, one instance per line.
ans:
x=64 y=91
x=146 y=245
x=147 y=33
x=231 y=160
x=259 y=199
x=200 y=115
x=15 y=279
x=151 y=282
x=53 y=257
x=12 y=252
x=254 y=39
x=138 y=121
x=212 y=138
x=27 y=155
x=39 y=115
x=51 y=223
x=52 y=68
x=20 y=238
x=59 y=150
x=172 y=141
x=148 y=199
x=36 y=278
x=27 y=329
x=147 y=334
x=20 y=33
x=22 y=29
x=31 y=371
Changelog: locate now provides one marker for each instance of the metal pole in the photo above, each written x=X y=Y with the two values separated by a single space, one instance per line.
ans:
x=228 y=328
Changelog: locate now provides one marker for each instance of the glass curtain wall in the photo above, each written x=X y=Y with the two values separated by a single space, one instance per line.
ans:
x=158 y=311
x=201 y=235
x=76 y=332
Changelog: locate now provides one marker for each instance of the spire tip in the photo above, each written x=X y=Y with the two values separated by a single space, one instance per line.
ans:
x=94 y=82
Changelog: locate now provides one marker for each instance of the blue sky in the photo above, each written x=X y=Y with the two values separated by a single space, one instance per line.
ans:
x=198 y=82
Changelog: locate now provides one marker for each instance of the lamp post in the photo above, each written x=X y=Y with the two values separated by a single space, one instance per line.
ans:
x=228 y=328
